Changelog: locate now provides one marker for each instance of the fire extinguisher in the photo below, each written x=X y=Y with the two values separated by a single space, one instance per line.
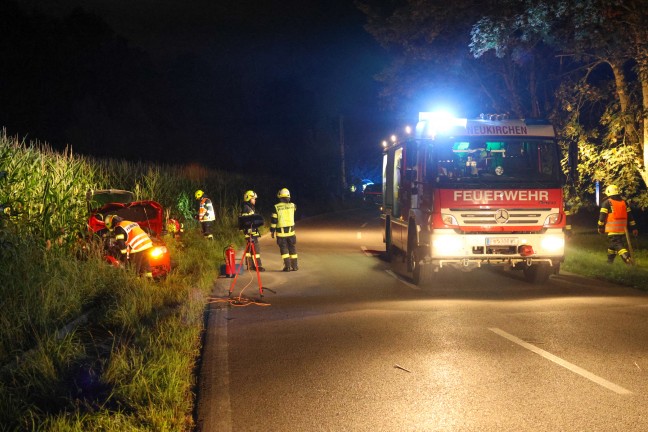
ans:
x=230 y=261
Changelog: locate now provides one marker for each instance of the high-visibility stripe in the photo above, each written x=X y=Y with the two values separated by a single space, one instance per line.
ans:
x=137 y=239
x=140 y=242
x=617 y=219
x=206 y=211
x=283 y=219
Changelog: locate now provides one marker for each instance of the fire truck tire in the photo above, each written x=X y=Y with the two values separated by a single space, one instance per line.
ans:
x=389 y=249
x=422 y=275
x=538 y=273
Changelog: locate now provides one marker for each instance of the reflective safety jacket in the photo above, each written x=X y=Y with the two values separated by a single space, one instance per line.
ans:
x=283 y=219
x=206 y=210
x=615 y=215
x=249 y=210
x=131 y=238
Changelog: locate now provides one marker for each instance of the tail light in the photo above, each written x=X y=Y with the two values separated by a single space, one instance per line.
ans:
x=158 y=251
x=526 y=250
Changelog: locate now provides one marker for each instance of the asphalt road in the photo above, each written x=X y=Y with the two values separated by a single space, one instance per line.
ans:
x=345 y=344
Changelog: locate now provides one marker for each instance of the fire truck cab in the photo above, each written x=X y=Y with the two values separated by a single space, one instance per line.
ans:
x=463 y=193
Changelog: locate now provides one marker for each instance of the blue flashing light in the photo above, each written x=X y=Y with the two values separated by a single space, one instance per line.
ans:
x=438 y=121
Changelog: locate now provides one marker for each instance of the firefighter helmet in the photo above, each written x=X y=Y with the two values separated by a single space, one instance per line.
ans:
x=249 y=195
x=199 y=194
x=109 y=221
x=612 y=190
x=283 y=193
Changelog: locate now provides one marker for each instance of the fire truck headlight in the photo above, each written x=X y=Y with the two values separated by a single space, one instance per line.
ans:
x=448 y=219
x=553 y=243
x=447 y=245
x=158 y=251
x=552 y=219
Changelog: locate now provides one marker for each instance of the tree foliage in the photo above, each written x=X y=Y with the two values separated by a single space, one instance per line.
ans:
x=584 y=64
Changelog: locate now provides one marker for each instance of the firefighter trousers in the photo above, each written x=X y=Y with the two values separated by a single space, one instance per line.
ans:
x=288 y=250
x=617 y=246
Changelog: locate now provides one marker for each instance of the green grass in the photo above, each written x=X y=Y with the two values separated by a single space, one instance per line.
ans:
x=131 y=365
x=586 y=254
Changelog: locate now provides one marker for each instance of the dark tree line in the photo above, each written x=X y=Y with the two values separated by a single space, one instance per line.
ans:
x=74 y=81
x=583 y=64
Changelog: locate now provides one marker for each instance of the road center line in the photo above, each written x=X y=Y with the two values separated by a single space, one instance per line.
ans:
x=572 y=367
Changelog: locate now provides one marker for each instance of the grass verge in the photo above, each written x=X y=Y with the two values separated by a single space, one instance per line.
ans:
x=586 y=255
x=130 y=365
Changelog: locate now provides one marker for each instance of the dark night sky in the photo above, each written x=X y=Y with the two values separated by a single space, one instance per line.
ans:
x=319 y=46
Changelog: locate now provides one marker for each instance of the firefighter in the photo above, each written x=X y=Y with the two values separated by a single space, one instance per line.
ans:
x=174 y=227
x=206 y=215
x=133 y=242
x=283 y=226
x=252 y=234
x=614 y=218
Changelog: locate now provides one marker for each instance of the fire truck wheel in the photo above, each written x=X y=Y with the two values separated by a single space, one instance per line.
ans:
x=389 y=248
x=538 y=273
x=422 y=275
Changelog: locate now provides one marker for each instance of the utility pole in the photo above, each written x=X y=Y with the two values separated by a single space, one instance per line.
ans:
x=342 y=161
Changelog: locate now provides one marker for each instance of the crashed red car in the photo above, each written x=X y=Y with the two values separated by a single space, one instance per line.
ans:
x=148 y=215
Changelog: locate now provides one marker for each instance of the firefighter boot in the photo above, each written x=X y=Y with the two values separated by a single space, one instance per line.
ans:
x=294 y=266
x=286 y=264
x=260 y=267
x=627 y=258
x=610 y=258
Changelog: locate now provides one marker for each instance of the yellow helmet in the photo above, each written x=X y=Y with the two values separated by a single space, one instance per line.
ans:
x=283 y=193
x=612 y=190
x=249 y=195
x=109 y=220
x=199 y=194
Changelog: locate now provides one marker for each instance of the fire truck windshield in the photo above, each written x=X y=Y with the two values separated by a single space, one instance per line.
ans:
x=478 y=160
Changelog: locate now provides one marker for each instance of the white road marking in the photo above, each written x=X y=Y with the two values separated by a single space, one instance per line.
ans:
x=572 y=367
x=395 y=276
x=364 y=250
x=364 y=225
x=359 y=234
x=222 y=411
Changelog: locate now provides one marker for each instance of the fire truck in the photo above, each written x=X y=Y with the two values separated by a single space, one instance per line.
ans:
x=464 y=193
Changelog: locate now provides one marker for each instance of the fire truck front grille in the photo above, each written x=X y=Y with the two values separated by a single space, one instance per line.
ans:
x=491 y=216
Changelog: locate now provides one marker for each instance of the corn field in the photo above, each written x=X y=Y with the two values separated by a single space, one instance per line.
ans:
x=45 y=284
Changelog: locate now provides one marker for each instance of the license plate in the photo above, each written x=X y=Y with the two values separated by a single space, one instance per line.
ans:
x=501 y=241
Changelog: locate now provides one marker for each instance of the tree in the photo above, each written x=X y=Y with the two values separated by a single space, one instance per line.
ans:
x=602 y=107
x=582 y=63
x=431 y=42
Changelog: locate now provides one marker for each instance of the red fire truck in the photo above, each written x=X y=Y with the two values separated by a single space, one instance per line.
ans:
x=464 y=193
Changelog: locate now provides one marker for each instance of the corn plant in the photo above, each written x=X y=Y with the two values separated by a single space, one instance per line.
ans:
x=46 y=283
